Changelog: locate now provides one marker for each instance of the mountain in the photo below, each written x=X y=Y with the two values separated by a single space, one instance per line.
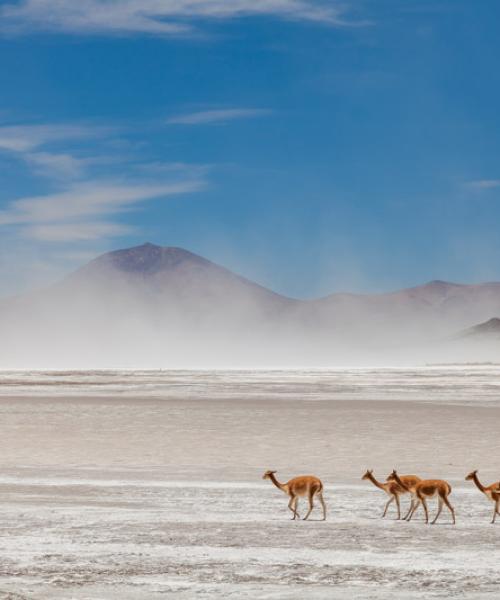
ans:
x=143 y=306
x=151 y=306
x=432 y=310
x=488 y=330
x=176 y=277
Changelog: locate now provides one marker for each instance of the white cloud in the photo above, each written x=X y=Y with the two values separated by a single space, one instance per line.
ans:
x=158 y=17
x=24 y=138
x=217 y=116
x=24 y=141
x=485 y=184
x=86 y=200
x=75 y=232
x=56 y=165
x=83 y=210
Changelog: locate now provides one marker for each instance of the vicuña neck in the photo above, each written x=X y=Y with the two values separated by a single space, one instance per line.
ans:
x=398 y=480
x=375 y=482
x=279 y=485
x=478 y=483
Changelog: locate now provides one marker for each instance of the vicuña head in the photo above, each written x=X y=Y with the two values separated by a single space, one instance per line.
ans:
x=368 y=473
x=392 y=476
x=471 y=475
x=268 y=474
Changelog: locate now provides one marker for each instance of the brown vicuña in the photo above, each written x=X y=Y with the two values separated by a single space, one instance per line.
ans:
x=394 y=490
x=305 y=485
x=490 y=491
x=428 y=488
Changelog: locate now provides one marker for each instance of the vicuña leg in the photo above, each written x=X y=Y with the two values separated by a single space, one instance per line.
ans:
x=405 y=518
x=450 y=508
x=320 y=496
x=416 y=504
x=311 y=505
x=399 y=506
x=292 y=505
x=426 y=509
x=440 y=508
x=295 y=506
x=391 y=499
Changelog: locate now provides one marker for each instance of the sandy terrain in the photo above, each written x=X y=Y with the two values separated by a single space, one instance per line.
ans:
x=161 y=495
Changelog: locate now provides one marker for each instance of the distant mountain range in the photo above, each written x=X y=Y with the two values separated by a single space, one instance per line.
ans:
x=156 y=306
x=488 y=330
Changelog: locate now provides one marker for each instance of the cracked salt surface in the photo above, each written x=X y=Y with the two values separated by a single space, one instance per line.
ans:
x=238 y=542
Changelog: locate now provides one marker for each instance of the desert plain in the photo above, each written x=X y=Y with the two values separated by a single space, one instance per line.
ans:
x=143 y=485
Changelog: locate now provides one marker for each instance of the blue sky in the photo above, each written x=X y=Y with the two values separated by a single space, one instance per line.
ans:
x=312 y=146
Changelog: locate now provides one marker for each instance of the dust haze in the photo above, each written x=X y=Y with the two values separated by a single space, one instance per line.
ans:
x=154 y=307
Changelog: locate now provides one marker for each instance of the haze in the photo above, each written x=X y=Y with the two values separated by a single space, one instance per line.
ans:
x=154 y=307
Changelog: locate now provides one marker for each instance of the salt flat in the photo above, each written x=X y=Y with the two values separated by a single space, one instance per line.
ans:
x=160 y=495
x=147 y=540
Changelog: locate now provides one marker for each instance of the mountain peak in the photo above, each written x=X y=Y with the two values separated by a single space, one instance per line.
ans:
x=146 y=258
x=440 y=284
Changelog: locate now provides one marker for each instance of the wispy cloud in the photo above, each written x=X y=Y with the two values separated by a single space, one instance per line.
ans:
x=484 y=184
x=23 y=138
x=63 y=166
x=88 y=200
x=26 y=141
x=87 y=206
x=224 y=115
x=179 y=169
x=157 y=17
x=76 y=232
